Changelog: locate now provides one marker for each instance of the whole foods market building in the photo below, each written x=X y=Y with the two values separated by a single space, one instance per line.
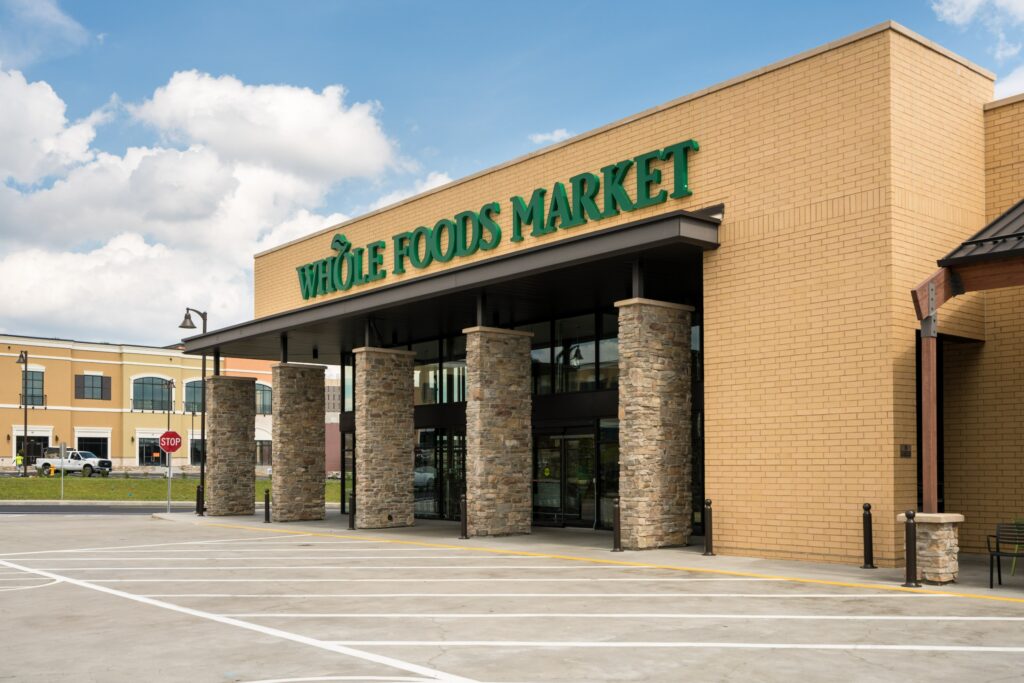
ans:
x=708 y=299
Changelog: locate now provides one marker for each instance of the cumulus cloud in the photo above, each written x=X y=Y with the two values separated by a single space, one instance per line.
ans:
x=313 y=135
x=557 y=135
x=95 y=245
x=998 y=17
x=432 y=180
x=33 y=30
x=1011 y=84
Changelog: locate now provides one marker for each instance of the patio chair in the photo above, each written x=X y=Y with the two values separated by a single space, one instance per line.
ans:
x=1008 y=539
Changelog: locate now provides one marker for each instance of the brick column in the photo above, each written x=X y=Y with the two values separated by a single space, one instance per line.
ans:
x=230 y=443
x=499 y=436
x=385 y=438
x=654 y=423
x=297 y=491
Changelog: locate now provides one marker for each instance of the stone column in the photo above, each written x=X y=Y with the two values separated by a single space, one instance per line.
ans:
x=499 y=436
x=938 y=545
x=385 y=438
x=297 y=489
x=230 y=445
x=654 y=423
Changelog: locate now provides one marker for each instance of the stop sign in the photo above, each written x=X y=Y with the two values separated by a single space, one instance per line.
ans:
x=170 y=442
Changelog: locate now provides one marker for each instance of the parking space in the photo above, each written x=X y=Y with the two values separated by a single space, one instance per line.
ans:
x=241 y=602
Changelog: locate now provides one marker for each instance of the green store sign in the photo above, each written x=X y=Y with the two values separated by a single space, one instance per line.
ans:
x=548 y=210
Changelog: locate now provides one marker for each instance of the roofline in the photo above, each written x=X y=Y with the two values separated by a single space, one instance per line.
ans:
x=750 y=75
x=1012 y=99
x=113 y=347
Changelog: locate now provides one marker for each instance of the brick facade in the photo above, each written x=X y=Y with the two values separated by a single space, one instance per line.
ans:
x=230 y=435
x=297 y=490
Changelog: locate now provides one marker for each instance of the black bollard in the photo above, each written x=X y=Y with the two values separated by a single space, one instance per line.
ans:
x=869 y=547
x=709 y=547
x=911 y=552
x=352 y=511
x=616 y=527
x=266 y=506
x=199 y=500
x=463 y=518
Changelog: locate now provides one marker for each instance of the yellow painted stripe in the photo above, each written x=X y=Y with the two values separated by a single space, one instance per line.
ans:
x=621 y=563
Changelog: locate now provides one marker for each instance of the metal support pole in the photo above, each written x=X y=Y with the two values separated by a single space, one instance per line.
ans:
x=200 y=502
x=709 y=547
x=266 y=506
x=911 y=552
x=463 y=518
x=616 y=526
x=352 y=510
x=869 y=548
x=24 y=425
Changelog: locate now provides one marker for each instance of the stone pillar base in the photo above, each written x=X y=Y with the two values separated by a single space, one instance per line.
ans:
x=938 y=546
x=230 y=432
x=297 y=488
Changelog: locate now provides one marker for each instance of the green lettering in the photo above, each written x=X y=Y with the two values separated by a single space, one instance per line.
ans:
x=585 y=187
x=463 y=247
x=530 y=214
x=615 y=196
x=487 y=222
x=401 y=243
x=679 y=153
x=420 y=234
x=560 y=210
x=646 y=177
x=375 y=260
x=436 y=238
x=308 y=277
x=358 y=278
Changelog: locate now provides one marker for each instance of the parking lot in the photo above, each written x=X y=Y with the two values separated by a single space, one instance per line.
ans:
x=127 y=598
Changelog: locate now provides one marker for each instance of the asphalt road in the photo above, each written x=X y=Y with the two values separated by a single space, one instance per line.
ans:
x=50 y=509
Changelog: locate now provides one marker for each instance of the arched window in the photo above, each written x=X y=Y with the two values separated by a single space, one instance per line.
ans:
x=151 y=393
x=194 y=396
x=264 y=399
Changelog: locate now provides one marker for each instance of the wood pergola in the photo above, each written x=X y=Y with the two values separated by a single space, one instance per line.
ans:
x=991 y=259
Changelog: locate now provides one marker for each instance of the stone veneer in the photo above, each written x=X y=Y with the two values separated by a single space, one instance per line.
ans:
x=297 y=489
x=499 y=437
x=230 y=435
x=654 y=423
x=385 y=438
x=938 y=546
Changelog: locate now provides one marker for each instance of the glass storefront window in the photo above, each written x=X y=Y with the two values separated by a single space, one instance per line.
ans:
x=348 y=383
x=151 y=393
x=264 y=399
x=264 y=453
x=453 y=371
x=608 y=373
x=425 y=468
x=425 y=373
x=194 y=396
x=540 y=356
x=575 y=354
x=195 y=451
x=32 y=380
x=608 y=448
x=150 y=454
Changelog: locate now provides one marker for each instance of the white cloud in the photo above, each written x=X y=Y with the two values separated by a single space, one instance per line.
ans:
x=37 y=138
x=997 y=16
x=556 y=135
x=34 y=30
x=313 y=135
x=433 y=179
x=1011 y=84
x=113 y=246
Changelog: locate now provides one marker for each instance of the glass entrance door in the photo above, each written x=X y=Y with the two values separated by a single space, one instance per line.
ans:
x=452 y=450
x=564 y=479
x=580 y=483
x=439 y=472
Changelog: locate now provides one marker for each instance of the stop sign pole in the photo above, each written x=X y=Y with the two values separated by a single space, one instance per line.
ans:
x=169 y=443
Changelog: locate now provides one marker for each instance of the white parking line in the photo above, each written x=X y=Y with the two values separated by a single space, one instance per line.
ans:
x=278 y=633
x=769 y=596
x=538 y=579
x=346 y=567
x=680 y=645
x=260 y=559
x=121 y=547
x=598 y=615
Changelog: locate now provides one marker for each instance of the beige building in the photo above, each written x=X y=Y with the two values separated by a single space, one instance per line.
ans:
x=708 y=299
x=114 y=400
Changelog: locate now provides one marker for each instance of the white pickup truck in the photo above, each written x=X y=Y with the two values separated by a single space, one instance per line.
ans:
x=74 y=461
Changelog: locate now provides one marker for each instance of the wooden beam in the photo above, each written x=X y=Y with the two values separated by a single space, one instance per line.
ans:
x=929 y=424
x=992 y=274
x=944 y=291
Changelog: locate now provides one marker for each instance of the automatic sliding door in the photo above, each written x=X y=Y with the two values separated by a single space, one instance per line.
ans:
x=580 y=480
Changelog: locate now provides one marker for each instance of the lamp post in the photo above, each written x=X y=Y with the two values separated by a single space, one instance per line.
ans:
x=170 y=456
x=187 y=324
x=23 y=359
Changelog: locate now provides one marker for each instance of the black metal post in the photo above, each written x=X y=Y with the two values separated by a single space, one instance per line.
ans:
x=24 y=426
x=616 y=527
x=463 y=518
x=869 y=548
x=266 y=506
x=199 y=500
x=709 y=546
x=352 y=510
x=201 y=503
x=911 y=551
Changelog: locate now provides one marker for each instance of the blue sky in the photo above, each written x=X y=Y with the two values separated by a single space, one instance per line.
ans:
x=134 y=151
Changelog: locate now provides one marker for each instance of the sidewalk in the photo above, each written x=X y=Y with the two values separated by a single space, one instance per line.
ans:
x=596 y=545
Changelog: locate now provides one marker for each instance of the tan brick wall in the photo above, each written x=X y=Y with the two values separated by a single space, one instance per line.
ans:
x=984 y=383
x=845 y=174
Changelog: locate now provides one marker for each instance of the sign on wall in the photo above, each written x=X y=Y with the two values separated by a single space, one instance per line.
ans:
x=587 y=197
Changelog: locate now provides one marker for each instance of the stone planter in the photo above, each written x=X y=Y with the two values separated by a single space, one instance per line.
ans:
x=938 y=546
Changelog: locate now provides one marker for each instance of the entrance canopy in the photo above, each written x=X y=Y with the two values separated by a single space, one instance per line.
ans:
x=656 y=257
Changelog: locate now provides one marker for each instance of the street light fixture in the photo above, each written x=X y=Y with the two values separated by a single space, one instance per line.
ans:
x=187 y=324
x=23 y=360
